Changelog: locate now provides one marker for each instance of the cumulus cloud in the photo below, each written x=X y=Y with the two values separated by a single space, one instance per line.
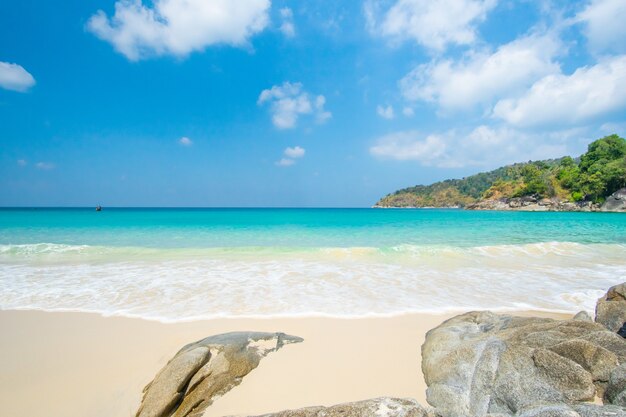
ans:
x=480 y=77
x=45 y=165
x=178 y=27
x=295 y=152
x=291 y=154
x=289 y=101
x=484 y=145
x=408 y=111
x=14 y=77
x=287 y=26
x=22 y=162
x=569 y=99
x=410 y=145
x=185 y=141
x=385 y=112
x=604 y=25
x=433 y=24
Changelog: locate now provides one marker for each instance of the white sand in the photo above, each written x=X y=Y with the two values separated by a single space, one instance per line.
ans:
x=85 y=365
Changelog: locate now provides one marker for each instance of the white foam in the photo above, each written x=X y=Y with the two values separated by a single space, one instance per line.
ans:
x=183 y=285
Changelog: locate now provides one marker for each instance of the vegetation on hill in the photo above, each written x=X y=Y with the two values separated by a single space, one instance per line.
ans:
x=592 y=177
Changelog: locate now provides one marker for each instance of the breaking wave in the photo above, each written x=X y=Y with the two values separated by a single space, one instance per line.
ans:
x=178 y=284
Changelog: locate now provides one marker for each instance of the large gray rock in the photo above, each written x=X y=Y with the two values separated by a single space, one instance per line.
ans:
x=616 y=390
x=206 y=369
x=611 y=308
x=616 y=201
x=483 y=363
x=379 y=407
x=583 y=316
x=595 y=410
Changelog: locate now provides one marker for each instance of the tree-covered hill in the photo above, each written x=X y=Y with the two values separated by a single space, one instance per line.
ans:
x=592 y=177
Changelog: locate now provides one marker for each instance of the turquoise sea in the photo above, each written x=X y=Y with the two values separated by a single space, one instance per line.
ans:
x=186 y=264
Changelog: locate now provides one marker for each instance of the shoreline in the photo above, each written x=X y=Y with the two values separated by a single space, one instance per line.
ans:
x=77 y=364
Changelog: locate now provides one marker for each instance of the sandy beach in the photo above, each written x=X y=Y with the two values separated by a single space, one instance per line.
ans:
x=78 y=364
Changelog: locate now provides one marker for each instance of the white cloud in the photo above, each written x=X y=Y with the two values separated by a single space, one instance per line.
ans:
x=481 y=77
x=45 y=165
x=285 y=162
x=408 y=111
x=185 y=141
x=14 y=77
x=410 y=145
x=485 y=146
x=569 y=99
x=321 y=115
x=178 y=27
x=604 y=25
x=291 y=154
x=287 y=26
x=295 y=152
x=22 y=162
x=288 y=101
x=433 y=24
x=385 y=112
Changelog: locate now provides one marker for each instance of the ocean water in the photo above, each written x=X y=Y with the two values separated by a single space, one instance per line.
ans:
x=187 y=264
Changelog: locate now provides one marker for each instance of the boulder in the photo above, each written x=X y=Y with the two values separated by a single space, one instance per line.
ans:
x=583 y=316
x=483 y=363
x=611 y=308
x=379 y=407
x=596 y=410
x=204 y=370
x=616 y=201
x=616 y=389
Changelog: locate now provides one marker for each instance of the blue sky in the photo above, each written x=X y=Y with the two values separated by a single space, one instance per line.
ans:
x=317 y=103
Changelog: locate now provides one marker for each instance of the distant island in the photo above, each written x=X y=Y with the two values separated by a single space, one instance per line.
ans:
x=595 y=181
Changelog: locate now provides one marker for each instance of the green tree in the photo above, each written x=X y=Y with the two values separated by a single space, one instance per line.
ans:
x=568 y=173
x=536 y=180
x=603 y=167
x=604 y=150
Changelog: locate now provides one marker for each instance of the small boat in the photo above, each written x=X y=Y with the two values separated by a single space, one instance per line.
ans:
x=98 y=208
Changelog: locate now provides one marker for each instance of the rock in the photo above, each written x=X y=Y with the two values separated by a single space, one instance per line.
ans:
x=596 y=360
x=616 y=201
x=616 y=389
x=206 y=369
x=379 y=407
x=575 y=410
x=583 y=316
x=480 y=363
x=595 y=410
x=530 y=203
x=550 y=411
x=611 y=308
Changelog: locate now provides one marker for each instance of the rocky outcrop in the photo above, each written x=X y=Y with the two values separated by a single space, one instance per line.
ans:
x=611 y=308
x=379 y=407
x=206 y=369
x=483 y=363
x=530 y=203
x=616 y=388
x=616 y=201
